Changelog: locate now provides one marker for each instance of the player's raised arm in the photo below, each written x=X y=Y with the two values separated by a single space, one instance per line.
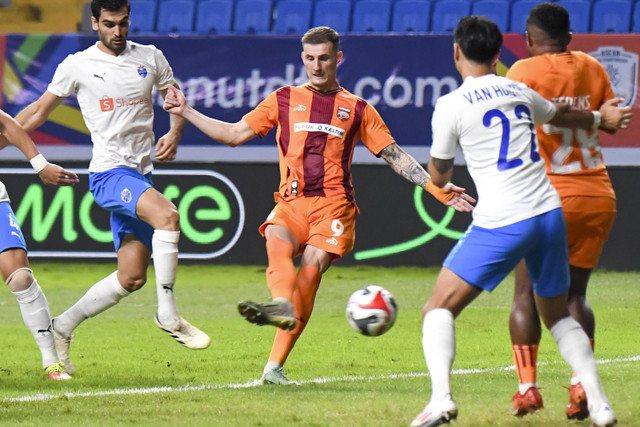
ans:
x=231 y=134
x=610 y=117
x=49 y=173
x=406 y=166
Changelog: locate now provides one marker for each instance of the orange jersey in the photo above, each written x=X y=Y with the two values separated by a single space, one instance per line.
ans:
x=577 y=79
x=316 y=136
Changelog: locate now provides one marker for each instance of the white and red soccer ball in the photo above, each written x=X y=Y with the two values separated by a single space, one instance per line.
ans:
x=372 y=310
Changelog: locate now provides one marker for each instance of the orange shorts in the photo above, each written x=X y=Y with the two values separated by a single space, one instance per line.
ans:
x=589 y=220
x=327 y=223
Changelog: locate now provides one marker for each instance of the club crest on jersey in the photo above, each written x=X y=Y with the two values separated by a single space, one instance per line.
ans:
x=343 y=113
x=622 y=67
x=142 y=70
x=125 y=195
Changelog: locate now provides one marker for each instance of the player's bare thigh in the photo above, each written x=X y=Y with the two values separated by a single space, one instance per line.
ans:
x=133 y=261
x=157 y=211
x=451 y=292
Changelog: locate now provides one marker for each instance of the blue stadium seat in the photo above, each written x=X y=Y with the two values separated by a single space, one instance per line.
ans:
x=579 y=14
x=611 y=16
x=411 y=16
x=447 y=13
x=214 y=17
x=143 y=16
x=292 y=17
x=635 y=26
x=519 y=14
x=371 y=16
x=333 y=13
x=496 y=10
x=252 y=17
x=176 y=16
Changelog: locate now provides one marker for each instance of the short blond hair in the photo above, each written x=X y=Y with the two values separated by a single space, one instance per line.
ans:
x=319 y=35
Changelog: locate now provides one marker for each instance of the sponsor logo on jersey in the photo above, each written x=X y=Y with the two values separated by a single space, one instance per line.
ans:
x=106 y=104
x=142 y=71
x=100 y=77
x=125 y=195
x=319 y=127
x=332 y=241
x=109 y=104
x=300 y=107
x=343 y=113
x=622 y=67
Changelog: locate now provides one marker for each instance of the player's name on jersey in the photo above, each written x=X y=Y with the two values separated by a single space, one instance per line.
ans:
x=492 y=92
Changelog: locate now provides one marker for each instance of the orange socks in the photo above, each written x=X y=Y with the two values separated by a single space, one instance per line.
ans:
x=306 y=285
x=525 y=358
x=281 y=273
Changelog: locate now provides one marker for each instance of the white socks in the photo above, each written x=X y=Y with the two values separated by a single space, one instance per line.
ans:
x=165 y=261
x=439 y=345
x=104 y=294
x=35 y=312
x=574 y=346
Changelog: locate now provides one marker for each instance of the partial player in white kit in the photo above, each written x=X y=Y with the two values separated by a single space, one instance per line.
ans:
x=518 y=214
x=14 y=265
x=113 y=81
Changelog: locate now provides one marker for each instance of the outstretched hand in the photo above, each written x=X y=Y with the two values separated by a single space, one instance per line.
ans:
x=55 y=175
x=614 y=117
x=461 y=201
x=174 y=101
x=451 y=195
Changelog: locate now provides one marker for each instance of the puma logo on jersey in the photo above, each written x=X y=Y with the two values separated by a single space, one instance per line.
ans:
x=300 y=107
x=332 y=241
x=100 y=77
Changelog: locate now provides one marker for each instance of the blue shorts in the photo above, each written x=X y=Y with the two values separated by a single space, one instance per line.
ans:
x=10 y=234
x=484 y=257
x=118 y=190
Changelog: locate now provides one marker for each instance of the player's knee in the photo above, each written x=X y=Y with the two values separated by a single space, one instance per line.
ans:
x=133 y=283
x=20 y=280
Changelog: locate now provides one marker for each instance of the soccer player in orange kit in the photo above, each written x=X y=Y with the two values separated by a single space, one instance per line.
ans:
x=318 y=124
x=574 y=164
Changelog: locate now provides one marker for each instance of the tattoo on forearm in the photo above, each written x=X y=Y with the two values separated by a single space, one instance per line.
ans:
x=442 y=166
x=405 y=165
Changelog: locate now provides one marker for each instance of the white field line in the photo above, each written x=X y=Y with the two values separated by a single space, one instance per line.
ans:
x=256 y=383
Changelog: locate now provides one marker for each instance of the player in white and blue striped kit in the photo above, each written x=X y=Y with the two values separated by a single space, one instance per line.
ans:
x=518 y=214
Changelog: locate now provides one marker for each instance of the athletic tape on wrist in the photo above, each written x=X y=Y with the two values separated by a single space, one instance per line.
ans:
x=597 y=119
x=38 y=163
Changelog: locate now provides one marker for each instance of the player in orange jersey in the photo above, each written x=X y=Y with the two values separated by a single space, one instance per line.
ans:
x=318 y=124
x=574 y=164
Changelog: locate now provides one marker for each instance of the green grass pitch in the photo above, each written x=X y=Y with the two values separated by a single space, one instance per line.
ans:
x=129 y=372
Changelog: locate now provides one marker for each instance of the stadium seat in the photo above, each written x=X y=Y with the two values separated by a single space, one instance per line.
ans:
x=292 y=17
x=334 y=13
x=411 y=16
x=214 y=17
x=447 y=13
x=579 y=14
x=252 y=17
x=635 y=26
x=519 y=14
x=371 y=16
x=611 y=16
x=176 y=16
x=496 y=10
x=143 y=16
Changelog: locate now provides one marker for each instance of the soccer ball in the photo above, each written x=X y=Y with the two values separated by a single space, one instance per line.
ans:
x=371 y=310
